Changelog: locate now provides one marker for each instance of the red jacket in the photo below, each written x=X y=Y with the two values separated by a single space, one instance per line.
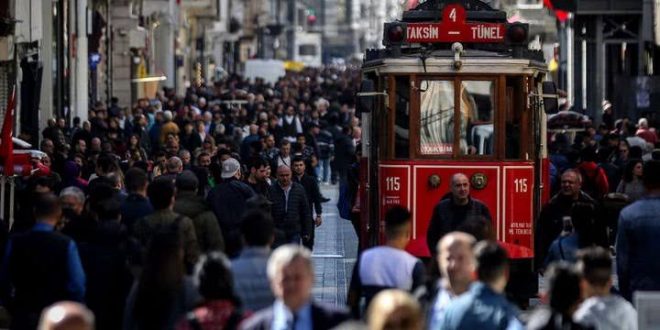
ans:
x=594 y=180
x=647 y=135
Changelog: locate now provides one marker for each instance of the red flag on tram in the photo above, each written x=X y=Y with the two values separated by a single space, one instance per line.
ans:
x=6 y=144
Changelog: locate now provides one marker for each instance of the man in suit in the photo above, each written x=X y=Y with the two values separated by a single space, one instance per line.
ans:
x=291 y=277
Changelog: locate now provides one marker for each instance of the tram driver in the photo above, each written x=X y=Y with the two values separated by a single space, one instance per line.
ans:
x=455 y=212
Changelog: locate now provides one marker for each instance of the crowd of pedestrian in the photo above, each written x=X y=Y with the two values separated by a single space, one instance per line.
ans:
x=137 y=212
x=606 y=193
x=199 y=212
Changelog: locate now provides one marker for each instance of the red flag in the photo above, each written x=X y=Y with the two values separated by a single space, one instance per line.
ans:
x=6 y=144
x=561 y=15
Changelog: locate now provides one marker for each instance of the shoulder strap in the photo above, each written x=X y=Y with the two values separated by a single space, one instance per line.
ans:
x=193 y=322
x=561 y=249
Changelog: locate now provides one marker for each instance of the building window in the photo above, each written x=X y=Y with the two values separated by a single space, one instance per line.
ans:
x=307 y=50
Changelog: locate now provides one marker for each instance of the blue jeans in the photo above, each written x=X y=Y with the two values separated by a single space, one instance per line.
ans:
x=323 y=169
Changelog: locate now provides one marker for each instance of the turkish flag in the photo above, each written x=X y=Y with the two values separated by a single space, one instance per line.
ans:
x=6 y=143
x=561 y=15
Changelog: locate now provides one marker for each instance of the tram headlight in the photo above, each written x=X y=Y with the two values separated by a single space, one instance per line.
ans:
x=517 y=33
x=395 y=34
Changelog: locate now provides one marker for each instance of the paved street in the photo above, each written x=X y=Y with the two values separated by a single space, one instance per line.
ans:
x=335 y=252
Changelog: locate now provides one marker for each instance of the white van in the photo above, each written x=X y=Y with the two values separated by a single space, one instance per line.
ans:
x=308 y=49
x=269 y=70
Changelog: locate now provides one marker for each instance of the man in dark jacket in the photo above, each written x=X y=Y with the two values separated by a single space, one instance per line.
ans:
x=344 y=153
x=258 y=167
x=161 y=194
x=40 y=267
x=136 y=205
x=245 y=144
x=227 y=200
x=313 y=195
x=290 y=209
x=105 y=260
x=78 y=222
x=326 y=149
x=456 y=212
x=561 y=205
x=190 y=204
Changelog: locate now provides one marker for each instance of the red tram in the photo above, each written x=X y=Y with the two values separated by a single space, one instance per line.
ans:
x=455 y=89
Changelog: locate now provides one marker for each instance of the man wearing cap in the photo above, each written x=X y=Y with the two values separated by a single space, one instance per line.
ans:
x=228 y=199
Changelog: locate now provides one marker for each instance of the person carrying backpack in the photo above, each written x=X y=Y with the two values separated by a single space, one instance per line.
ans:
x=594 y=178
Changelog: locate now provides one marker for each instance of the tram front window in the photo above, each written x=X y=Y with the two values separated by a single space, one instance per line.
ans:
x=436 y=136
x=477 y=112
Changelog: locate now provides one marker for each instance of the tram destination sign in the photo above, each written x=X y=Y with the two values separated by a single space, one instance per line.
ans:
x=454 y=28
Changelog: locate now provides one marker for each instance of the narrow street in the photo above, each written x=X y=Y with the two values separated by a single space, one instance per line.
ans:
x=335 y=252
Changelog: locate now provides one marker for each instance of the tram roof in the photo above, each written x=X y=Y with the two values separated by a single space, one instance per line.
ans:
x=430 y=29
x=481 y=65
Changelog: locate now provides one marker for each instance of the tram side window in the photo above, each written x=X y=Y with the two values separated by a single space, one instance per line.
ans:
x=514 y=109
x=402 y=118
x=477 y=113
x=436 y=136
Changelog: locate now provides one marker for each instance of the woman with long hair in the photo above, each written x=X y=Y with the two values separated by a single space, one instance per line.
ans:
x=134 y=151
x=631 y=184
x=162 y=294
x=208 y=145
x=221 y=307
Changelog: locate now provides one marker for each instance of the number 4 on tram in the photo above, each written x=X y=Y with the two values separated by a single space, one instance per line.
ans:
x=456 y=90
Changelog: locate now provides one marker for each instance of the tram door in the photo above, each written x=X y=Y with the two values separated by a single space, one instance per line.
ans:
x=424 y=129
